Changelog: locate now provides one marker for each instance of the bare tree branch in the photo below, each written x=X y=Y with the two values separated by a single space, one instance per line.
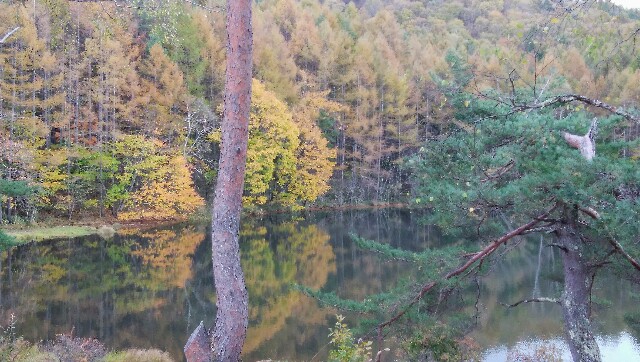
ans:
x=4 y=38
x=631 y=36
x=568 y=98
x=499 y=172
x=602 y=262
x=532 y=300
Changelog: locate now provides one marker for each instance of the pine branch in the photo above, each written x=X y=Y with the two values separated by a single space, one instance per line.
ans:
x=626 y=255
x=501 y=171
x=385 y=249
x=588 y=151
x=479 y=256
x=532 y=300
x=4 y=38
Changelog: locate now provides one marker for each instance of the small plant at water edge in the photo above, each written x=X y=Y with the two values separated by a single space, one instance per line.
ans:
x=344 y=347
x=441 y=343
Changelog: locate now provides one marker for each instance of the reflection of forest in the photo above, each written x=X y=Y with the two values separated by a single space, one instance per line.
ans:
x=301 y=327
x=147 y=289
x=302 y=255
x=150 y=288
x=102 y=288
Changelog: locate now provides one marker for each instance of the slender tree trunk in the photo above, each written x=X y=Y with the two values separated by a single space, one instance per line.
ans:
x=9 y=211
x=578 y=276
x=575 y=299
x=232 y=315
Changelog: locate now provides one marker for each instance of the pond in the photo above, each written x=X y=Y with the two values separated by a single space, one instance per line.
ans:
x=150 y=288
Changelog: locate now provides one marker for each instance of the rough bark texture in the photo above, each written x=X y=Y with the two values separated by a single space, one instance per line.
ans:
x=578 y=276
x=576 y=296
x=586 y=144
x=232 y=315
x=198 y=347
x=232 y=299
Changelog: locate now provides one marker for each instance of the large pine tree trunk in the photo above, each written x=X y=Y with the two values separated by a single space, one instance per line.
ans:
x=575 y=299
x=578 y=276
x=232 y=300
x=232 y=316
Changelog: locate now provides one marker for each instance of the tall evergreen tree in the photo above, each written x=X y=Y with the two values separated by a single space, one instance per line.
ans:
x=517 y=161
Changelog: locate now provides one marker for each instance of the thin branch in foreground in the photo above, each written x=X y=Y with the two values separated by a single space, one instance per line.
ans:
x=7 y=35
x=626 y=255
x=631 y=36
x=532 y=300
x=604 y=261
x=479 y=256
x=561 y=99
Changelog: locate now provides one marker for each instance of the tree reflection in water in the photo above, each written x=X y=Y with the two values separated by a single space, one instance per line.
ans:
x=150 y=288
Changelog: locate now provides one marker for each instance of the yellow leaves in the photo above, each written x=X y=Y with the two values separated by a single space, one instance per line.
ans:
x=50 y=158
x=51 y=176
x=215 y=136
x=273 y=139
x=163 y=89
x=288 y=159
x=52 y=273
x=315 y=160
x=169 y=195
x=304 y=255
x=169 y=255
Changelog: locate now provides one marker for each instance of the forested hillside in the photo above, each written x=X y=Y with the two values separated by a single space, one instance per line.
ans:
x=112 y=107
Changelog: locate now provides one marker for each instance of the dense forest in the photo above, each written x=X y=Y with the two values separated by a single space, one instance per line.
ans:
x=112 y=108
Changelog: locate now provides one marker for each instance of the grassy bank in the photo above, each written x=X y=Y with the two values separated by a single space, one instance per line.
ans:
x=55 y=232
x=55 y=229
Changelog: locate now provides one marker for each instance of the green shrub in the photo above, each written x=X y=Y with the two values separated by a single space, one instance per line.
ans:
x=6 y=241
x=138 y=355
x=344 y=347
x=440 y=343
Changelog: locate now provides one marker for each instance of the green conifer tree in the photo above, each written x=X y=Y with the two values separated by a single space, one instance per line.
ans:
x=517 y=161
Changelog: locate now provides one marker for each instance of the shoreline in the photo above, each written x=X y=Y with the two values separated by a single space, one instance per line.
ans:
x=58 y=228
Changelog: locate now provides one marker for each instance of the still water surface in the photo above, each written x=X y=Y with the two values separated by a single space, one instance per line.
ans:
x=150 y=288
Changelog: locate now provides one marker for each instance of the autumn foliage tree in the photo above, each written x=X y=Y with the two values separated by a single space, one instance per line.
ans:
x=289 y=161
x=78 y=75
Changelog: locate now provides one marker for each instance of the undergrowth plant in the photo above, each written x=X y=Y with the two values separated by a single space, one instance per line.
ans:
x=345 y=349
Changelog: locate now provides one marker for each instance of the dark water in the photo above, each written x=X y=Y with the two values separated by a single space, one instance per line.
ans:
x=150 y=288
